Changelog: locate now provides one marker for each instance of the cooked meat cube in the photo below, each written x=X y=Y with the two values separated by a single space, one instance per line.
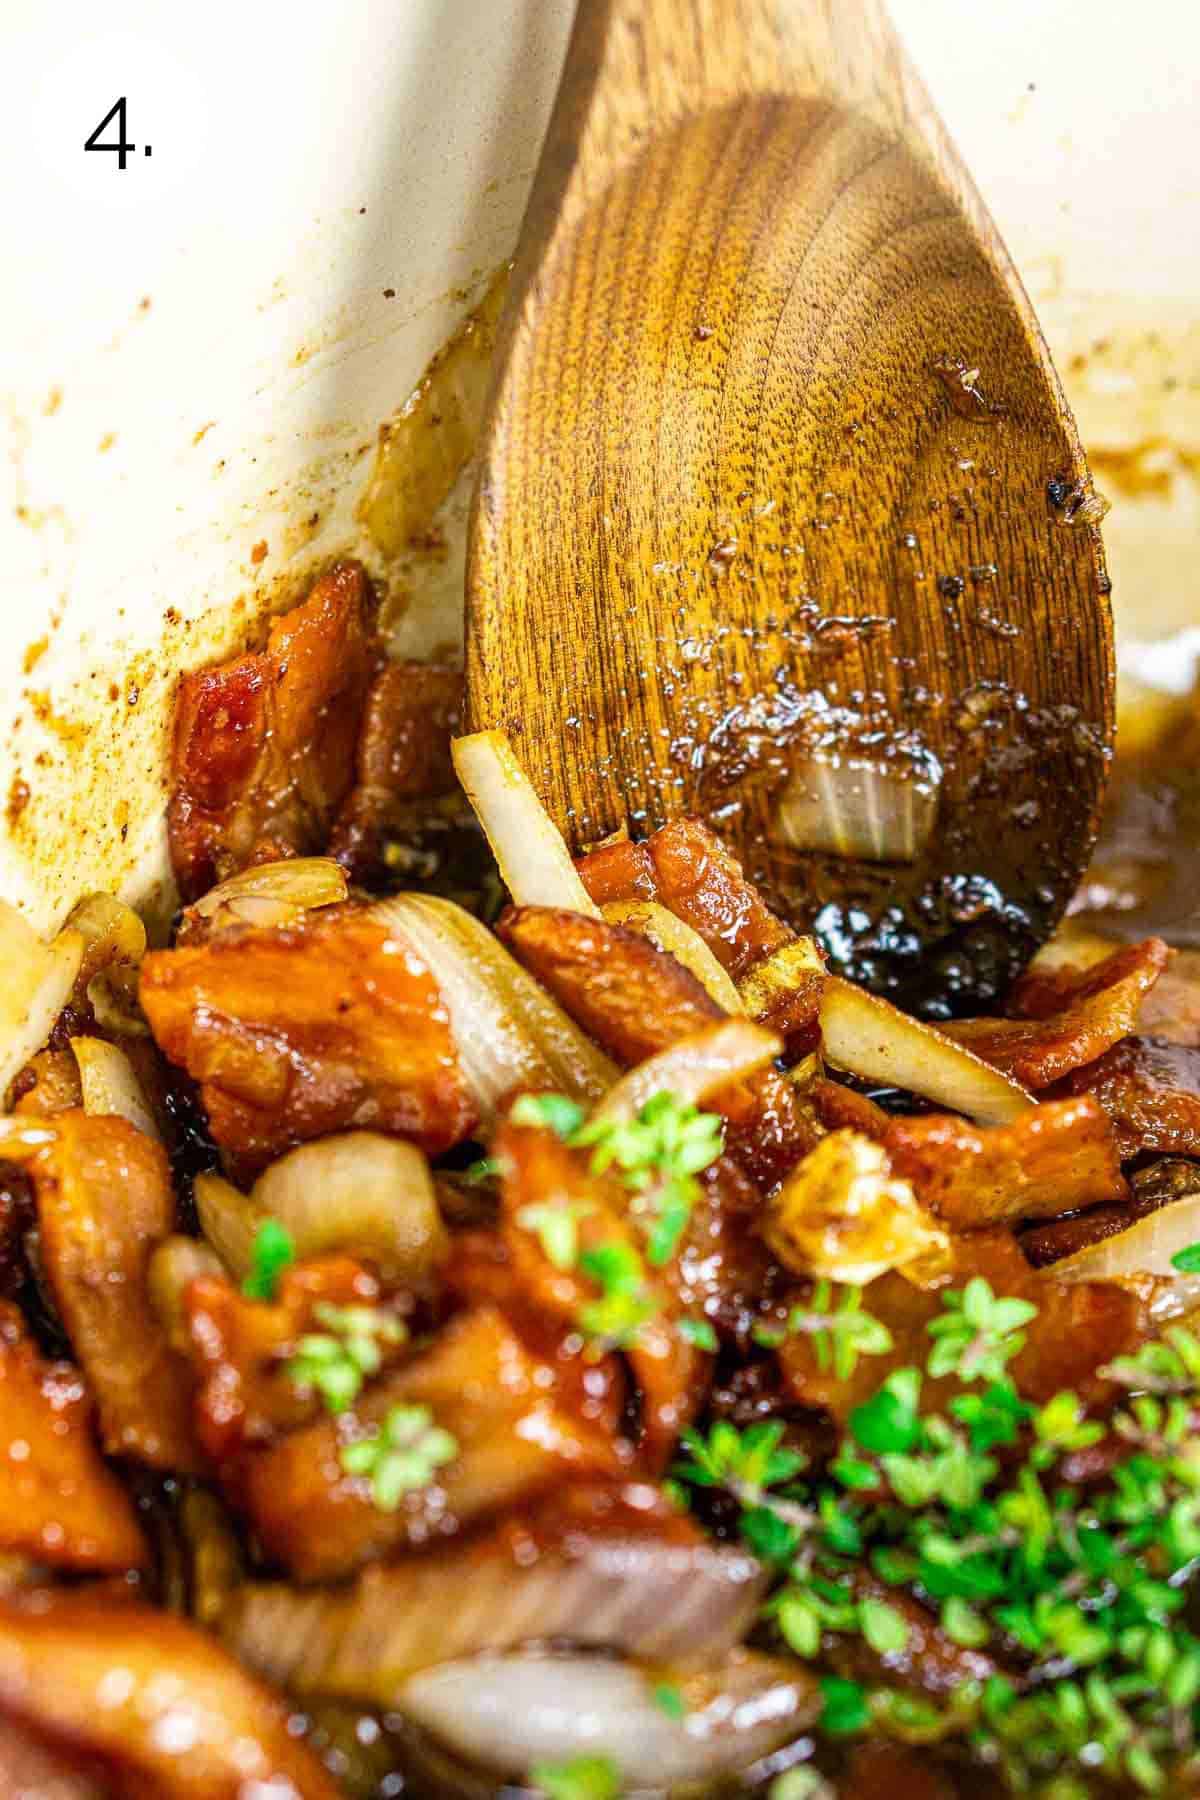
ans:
x=59 y=1503
x=263 y=750
x=299 y=1030
x=403 y=758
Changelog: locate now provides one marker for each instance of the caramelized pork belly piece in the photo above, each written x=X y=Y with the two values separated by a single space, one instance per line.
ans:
x=295 y=1031
x=688 y=868
x=156 y=1700
x=516 y=1421
x=412 y=711
x=1150 y=1089
x=540 y=1175
x=1055 y=1158
x=1158 y=1184
x=239 y=1349
x=603 y=1567
x=1066 y=1017
x=48 y=1084
x=635 y=1000
x=104 y=1200
x=59 y=1503
x=1079 y=1327
x=263 y=748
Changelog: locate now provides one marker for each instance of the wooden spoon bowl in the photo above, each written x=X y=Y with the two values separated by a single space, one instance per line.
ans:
x=782 y=518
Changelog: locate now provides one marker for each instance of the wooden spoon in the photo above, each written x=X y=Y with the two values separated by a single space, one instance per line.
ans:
x=782 y=518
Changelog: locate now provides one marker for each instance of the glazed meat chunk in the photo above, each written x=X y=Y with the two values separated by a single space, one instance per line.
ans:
x=264 y=746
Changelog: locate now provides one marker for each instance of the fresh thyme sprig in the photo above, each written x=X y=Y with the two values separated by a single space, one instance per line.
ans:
x=966 y=1512
x=401 y=1456
x=840 y=1330
x=659 y=1155
x=336 y=1362
x=274 y=1250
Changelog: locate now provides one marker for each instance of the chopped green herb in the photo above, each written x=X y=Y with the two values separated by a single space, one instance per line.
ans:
x=401 y=1456
x=274 y=1251
x=845 y=1709
x=659 y=1154
x=1090 y=1581
x=625 y=1304
x=580 y=1778
x=669 y=1699
x=555 y=1224
x=751 y=1460
x=977 y=1335
x=335 y=1363
x=1187 y=1260
x=483 y=1169
x=841 y=1331
x=699 y=1333
x=552 y=1112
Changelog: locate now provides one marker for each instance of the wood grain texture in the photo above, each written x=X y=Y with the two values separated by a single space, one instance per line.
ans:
x=743 y=511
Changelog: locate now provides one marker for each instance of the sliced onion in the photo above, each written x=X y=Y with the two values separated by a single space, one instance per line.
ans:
x=508 y=1032
x=870 y=1037
x=110 y=1086
x=359 y=1191
x=535 y=864
x=229 y=1220
x=669 y=933
x=35 y=985
x=174 y=1265
x=512 y=1712
x=693 y=1067
x=112 y=931
x=663 y=1601
x=852 y=807
x=273 y=893
x=1145 y=1249
x=1072 y=947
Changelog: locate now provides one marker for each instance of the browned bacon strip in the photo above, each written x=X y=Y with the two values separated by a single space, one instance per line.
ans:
x=1053 y=1159
x=635 y=1001
x=1066 y=1017
x=1150 y=1089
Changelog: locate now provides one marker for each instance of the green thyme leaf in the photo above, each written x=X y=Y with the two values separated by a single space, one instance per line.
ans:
x=274 y=1251
x=579 y=1778
x=401 y=1456
x=551 y=1112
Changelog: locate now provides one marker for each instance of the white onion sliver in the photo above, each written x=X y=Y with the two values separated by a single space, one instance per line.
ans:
x=852 y=807
x=870 y=1037
x=1145 y=1249
x=535 y=864
x=110 y=1086
x=299 y=883
x=360 y=1192
x=667 y=932
x=508 y=1031
x=174 y=1265
x=229 y=1220
x=510 y=1712
x=35 y=985
x=693 y=1067
x=112 y=931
